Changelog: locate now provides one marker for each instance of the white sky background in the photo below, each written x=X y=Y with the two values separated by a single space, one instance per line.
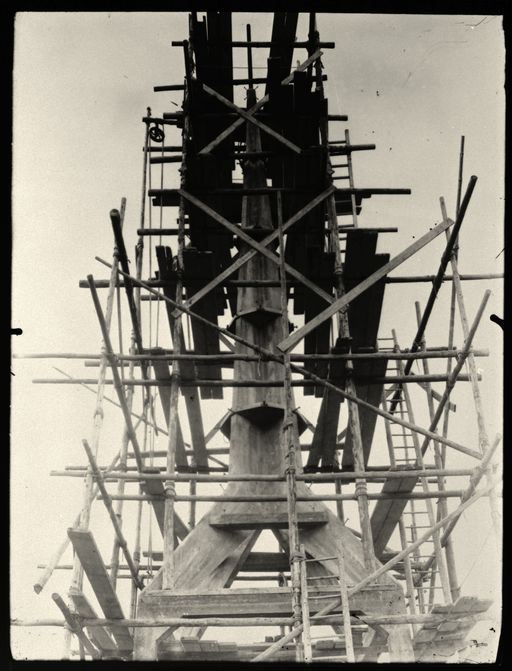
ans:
x=410 y=84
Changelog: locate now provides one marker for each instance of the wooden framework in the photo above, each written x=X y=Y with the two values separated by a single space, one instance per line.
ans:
x=289 y=254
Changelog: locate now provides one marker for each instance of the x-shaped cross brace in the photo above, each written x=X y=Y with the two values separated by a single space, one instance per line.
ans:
x=244 y=117
x=260 y=247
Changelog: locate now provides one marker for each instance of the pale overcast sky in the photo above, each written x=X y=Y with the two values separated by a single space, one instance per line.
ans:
x=82 y=82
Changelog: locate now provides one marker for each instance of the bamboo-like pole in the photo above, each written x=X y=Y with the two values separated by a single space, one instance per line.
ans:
x=448 y=567
x=46 y=575
x=121 y=483
x=401 y=379
x=288 y=439
x=306 y=633
x=107 y=500
x=136 y=559
x=272 y=356
x=78 y=573
x=477 y=398
x=74 y=626
x=347 y=629
x=376 y=574
x=377 y=474
x=424 y=483
x=115 y=374
x=239 y=498
x=353 y=204
x=455 y=373
x=129 y=401
x=139 y=418
x=250 y=621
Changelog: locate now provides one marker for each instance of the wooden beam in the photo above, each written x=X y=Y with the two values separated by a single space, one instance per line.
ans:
x=292 y=340
x=94 y=567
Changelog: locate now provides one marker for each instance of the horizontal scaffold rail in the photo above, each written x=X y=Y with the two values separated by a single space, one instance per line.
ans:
x=268 y=477
x=444 y=353
x=404 y=279
x=248 y=622
x=389 y=379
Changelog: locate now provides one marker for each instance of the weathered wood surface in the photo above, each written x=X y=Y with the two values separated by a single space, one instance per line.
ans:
x=87 y=551
x=98 y=634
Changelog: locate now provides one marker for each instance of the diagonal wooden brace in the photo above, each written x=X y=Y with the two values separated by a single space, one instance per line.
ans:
x=244 y=258
x=256 y=245
x=291 y=341
x=236 y=124
x=250 y=118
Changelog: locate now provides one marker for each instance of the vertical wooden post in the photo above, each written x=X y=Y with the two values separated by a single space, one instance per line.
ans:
x=192 y=491
x=77 y=574
x=450 y=567
x=347 y=628
x=477 y=398
x=339 y=504
x=136 y=559
x=353 y=202
x=289 y=450
x=306 y=631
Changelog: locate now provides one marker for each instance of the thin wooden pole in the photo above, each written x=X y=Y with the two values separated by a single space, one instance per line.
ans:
x=113 y=517
x=353 y=203
x=381 y=620
x=444 y=353
x=78 y=573
x=73 y=624
x=477 y=398
x=439 y=459
x=52 y=564
x=347 y=629
x=306 y=633
x=454 y=375
x=238 y=498
x=115 y=374
x=401 y=379
x=288 y=438
x=272 y=356
x=379 y=474
x=123 y=465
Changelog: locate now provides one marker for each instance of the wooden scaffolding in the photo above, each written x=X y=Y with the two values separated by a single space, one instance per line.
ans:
x=285 y=237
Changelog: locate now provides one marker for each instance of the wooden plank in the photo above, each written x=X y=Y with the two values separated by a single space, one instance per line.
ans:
x=87 y=551
x=98 y=635
x=187 y=370
x=246 y=602
x=292 y=340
